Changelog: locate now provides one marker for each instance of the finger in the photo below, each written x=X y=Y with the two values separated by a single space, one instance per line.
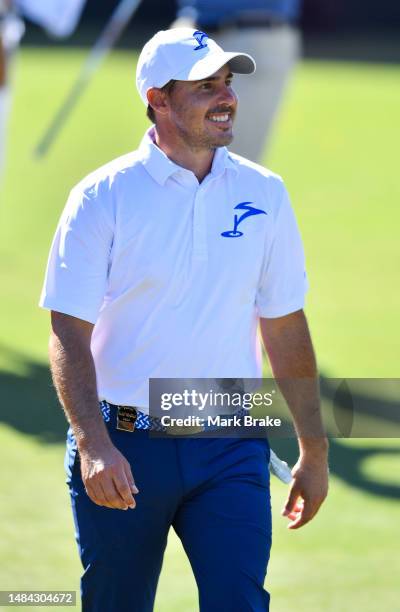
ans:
x=305 y=516
x=112 y=496
x=299 y=521
x=291 y=501
x=130 y=479
x=295 y=512
x=124 y=490
x=294 y=515
x=95 y=493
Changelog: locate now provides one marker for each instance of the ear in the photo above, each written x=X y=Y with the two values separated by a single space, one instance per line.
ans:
x=158 y=100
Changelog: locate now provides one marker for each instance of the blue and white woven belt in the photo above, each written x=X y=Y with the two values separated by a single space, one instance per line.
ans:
x=147 y=422
x=143 y=421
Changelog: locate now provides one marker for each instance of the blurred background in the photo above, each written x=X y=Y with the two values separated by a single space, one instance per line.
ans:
x=335 y=142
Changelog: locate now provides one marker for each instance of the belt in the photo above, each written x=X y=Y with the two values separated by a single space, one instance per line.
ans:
x=130 y=418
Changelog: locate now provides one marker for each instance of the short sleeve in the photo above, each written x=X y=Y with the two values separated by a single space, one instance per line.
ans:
x=283 y=283
x=77 y=269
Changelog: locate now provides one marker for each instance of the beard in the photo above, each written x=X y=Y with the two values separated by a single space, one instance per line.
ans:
x=199 y=138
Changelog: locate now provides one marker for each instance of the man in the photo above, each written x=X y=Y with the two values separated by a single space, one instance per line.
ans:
x=150 y=276
x=267 y=29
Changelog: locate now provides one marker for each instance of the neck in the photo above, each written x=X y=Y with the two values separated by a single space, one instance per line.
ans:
x=199 y=161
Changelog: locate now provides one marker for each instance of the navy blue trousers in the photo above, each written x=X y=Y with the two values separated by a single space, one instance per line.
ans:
x=215 y=494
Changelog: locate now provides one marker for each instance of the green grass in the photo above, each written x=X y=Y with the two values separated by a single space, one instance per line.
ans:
x=336 y=146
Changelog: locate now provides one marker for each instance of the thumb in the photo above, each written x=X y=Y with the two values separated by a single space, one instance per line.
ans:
x=290 y=502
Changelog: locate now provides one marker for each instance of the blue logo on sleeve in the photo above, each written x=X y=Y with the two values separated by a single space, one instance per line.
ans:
x=200 y=37
x=250 y=211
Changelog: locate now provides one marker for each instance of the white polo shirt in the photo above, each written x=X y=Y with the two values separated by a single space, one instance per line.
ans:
x=173 y=285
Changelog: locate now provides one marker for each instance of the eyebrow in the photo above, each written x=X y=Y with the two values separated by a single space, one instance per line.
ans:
x=214 y=78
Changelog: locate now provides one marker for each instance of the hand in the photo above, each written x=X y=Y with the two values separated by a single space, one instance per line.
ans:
x=108 y=479
x=308 y=490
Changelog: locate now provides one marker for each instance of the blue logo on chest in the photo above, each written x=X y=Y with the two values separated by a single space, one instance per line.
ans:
x=201 y=38
x=250 y=212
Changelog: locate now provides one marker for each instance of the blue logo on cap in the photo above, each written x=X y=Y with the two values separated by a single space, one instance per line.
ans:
x=250 y=211
x=200 y=37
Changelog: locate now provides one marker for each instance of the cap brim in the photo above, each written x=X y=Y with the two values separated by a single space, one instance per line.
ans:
x=241 y=63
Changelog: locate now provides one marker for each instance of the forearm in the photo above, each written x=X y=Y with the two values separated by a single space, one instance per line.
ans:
x=105 y=472
x=290 y=351
x=74 y=378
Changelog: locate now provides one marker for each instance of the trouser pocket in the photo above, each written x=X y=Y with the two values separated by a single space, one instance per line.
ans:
x=71 y=456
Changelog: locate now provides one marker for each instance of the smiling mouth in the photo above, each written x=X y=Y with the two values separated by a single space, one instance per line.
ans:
x=221 y=119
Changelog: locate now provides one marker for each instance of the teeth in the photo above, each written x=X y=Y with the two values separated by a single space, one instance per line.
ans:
x=219 y=118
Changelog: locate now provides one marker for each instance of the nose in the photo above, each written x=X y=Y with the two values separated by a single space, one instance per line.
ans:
x=228 y=96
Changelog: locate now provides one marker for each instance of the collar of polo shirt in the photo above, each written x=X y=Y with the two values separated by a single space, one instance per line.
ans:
x=160 y=167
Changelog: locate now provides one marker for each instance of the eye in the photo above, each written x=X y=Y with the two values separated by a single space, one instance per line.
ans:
x=205 y=85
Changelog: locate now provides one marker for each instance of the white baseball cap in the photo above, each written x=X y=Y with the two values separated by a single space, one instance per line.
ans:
x=184 y=54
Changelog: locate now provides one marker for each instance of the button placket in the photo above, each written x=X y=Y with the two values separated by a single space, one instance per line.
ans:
x=199 y=226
